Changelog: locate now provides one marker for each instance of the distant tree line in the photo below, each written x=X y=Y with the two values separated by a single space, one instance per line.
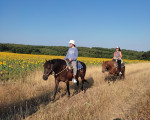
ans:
x=96 y=52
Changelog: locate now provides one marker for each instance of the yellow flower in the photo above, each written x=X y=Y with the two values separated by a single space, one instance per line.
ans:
x=29 y=61
x=4 y=63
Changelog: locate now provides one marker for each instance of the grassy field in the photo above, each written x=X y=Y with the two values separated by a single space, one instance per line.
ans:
x=125 y=99
x=24 y=95
x=16 y=66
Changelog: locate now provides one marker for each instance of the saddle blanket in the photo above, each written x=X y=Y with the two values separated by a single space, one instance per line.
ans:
x=122 y=65
x=79 y=65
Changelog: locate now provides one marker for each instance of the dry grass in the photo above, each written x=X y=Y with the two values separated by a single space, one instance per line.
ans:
x=125 y=99
x=17 y=97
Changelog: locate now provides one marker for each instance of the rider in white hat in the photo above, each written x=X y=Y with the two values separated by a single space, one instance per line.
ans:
x=118 y=57
x=72 y=56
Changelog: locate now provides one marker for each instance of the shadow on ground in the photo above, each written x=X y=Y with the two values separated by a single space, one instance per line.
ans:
x=23 y=109
x=77 y=89
x=112 y=78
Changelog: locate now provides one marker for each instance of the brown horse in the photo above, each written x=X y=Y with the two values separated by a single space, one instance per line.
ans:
x=112 y=68
x=62 y=73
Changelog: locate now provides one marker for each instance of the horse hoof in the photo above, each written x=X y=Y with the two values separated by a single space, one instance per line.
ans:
x=53 y=100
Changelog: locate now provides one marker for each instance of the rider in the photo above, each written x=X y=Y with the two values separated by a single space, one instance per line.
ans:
x=117 y=57
x=72 y=56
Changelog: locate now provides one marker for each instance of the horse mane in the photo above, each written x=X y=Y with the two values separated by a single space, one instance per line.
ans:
x=108 y=62
x=55 y=61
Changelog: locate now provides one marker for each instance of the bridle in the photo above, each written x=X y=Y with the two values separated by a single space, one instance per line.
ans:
x=106 y=68
x=51 y=71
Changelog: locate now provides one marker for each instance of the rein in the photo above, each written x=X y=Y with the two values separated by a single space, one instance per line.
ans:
x=67 y=67
x=62 y=71
x=113 y=69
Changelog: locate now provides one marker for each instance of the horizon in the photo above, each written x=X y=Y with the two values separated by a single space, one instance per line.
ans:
x=69 y=46
x=105 y=24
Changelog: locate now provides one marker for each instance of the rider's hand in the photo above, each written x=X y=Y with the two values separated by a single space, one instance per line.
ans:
x=70 y=59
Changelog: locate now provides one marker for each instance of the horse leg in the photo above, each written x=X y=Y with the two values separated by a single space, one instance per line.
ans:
x=77 y=82
x=77 y=85
x=68 y=90
x=123 y=75
x=86 y=81
x=82 y=85
x=83 y=80
x=55 y=90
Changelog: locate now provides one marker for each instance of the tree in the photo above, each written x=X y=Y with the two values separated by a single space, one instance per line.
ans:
x=146 y=55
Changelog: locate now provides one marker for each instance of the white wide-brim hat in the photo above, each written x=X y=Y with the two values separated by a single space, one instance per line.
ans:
x=117 y=47
x=72 y=42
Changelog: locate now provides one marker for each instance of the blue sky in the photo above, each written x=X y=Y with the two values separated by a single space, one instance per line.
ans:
x=92 y=23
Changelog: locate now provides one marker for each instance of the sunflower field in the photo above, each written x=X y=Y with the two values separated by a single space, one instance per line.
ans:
x=13 y=65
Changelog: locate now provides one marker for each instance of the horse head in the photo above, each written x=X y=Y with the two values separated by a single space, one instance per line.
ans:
x=104 y=66
x=48 y=69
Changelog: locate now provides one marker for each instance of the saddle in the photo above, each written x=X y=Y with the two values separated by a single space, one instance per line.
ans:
x=69 y=64
x=116 y=64
x=70 y=67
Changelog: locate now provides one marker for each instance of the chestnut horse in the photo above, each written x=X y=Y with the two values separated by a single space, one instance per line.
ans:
x=62 y=73
x=112 y=68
